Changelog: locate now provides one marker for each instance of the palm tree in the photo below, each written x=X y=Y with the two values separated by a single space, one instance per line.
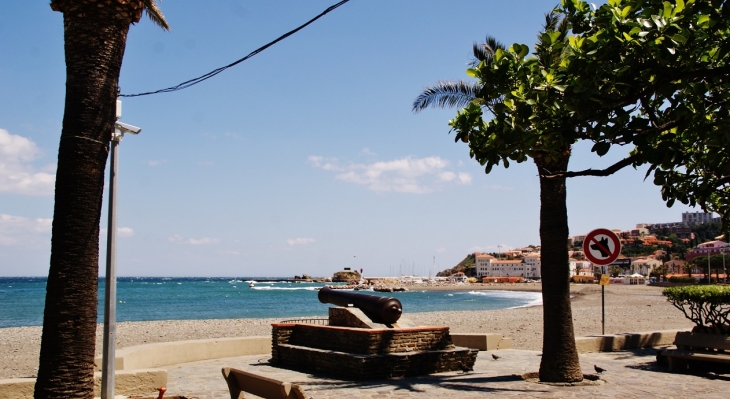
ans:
x=560 y=357
x=460 y=93
x=95 y=34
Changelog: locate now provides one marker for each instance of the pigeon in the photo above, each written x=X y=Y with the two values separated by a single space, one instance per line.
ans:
x=599 y=370
x=465 y=369
x=495 y=357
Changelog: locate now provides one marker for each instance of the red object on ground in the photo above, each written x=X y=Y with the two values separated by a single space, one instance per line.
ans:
x=162 y=392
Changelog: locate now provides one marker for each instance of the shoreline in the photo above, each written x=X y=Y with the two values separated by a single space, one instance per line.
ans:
x=628 y=309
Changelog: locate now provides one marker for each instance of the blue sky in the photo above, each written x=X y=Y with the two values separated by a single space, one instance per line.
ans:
x=304 y=159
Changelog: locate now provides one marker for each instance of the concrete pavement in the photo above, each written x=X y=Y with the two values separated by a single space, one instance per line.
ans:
x=630 y=374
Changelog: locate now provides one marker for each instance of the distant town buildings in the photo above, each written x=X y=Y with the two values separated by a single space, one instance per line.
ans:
x=692 y=218
x=528 y=266
x=525 y=263
x=707 y=248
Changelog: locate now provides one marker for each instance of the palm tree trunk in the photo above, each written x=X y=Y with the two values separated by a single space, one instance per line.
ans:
x=559 y=355
x=95 y=36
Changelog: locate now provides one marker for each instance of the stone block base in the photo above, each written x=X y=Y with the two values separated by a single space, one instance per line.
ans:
x=375 y=366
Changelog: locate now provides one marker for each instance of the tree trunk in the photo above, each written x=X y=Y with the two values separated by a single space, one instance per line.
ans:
x=95 y=35
x=559 y=355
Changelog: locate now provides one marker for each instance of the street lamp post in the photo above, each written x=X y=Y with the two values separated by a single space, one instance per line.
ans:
x=724 y=270
x=709 y=271
x=110 y=287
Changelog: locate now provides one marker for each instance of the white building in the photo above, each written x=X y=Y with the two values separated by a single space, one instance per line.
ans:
x=488 y=266
x=458 y=278
x=696 y=217
x=644 y=266
x=582 y=267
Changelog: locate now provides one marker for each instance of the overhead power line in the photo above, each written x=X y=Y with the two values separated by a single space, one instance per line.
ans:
x=192 y=82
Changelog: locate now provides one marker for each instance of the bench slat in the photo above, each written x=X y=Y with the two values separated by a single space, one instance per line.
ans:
x=240 y=381
x=715 y=341
x=690 y=355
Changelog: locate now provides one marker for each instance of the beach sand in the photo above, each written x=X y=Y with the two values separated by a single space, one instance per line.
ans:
x=628 y=309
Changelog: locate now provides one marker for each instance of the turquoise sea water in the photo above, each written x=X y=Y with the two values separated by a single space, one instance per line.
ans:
x=193 y=298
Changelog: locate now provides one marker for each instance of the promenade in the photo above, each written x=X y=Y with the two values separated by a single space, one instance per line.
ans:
x=631 y=374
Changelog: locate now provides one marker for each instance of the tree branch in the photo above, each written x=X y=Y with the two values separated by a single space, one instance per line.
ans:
x=598 y=172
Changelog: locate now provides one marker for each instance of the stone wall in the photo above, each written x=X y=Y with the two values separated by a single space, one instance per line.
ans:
x=364 y=367
x=362 y=341
x=368 y=353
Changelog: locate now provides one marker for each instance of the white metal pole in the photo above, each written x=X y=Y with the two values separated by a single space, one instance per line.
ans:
x=110 y=288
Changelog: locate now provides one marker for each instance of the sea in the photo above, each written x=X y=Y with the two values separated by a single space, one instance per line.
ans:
x=199 y=298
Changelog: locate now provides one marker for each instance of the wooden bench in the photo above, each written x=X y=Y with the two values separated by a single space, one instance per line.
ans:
x=240 y=381
x=693 y=347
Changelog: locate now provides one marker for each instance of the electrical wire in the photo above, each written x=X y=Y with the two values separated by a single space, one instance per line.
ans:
x=192 y=82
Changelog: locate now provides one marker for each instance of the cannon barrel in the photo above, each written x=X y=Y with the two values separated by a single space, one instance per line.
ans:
x=379 y=308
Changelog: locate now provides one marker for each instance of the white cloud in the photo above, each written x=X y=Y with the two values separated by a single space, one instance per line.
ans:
x=300 y=241
x=440 y=250
x=368 y=151
x=324 y=163
x=497 y=187
x=20 y=231
x=154 y=162
x=121 y=232
x=17 y=174
x=124 y=232
x=202 y=241
x=193 y=241
x=406 y=175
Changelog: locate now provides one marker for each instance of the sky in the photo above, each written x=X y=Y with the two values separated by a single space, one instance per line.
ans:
x=305 y=159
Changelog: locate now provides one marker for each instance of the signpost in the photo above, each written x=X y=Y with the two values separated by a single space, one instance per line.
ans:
x=602 y=247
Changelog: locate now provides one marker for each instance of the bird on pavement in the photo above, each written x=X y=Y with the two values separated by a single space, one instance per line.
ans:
x=464 y=368
x=599 y=370
x=495 y=357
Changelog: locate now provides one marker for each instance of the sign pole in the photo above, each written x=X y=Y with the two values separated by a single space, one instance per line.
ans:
x=602 y=247
x=603 y=306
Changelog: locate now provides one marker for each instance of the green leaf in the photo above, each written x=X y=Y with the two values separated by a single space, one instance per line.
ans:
x=679 y=39
x=601 y=148
x=473 y=72
x=703 y=21
x=679 y=7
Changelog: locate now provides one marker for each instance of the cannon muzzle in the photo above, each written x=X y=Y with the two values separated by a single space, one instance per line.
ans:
x=379 y=308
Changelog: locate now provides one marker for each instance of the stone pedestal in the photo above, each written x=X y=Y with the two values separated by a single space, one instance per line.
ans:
x=367 y=353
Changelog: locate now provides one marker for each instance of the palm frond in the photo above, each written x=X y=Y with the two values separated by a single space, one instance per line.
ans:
x=155 y=14
x=485 y=51
x=447 y=94
x=551 y=21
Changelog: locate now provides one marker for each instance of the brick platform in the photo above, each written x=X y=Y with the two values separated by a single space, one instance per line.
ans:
x=360 y=353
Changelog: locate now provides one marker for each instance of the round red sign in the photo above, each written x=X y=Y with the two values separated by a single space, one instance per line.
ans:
x=602 y=246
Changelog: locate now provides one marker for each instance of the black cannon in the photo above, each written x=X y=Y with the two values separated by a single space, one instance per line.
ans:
x=379 y=308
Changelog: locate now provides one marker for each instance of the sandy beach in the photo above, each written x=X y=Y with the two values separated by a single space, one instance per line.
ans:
x=628 y=309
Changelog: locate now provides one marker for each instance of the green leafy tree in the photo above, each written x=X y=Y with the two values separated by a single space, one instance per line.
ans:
x=716 y=265
x=509 y=86
x=654 y=74
x=614 y=271
x=95 y=34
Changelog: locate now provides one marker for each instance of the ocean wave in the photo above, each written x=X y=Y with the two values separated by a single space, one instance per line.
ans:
x=534 y=302
x=532 y=298
x=285 y=288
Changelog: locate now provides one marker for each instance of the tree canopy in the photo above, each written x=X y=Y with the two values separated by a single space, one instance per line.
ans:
x=653 y=74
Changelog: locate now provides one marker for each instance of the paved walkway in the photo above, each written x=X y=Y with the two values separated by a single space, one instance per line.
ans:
x=632 y=374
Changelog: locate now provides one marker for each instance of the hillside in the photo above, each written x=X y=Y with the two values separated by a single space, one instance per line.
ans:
x=467 y=266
